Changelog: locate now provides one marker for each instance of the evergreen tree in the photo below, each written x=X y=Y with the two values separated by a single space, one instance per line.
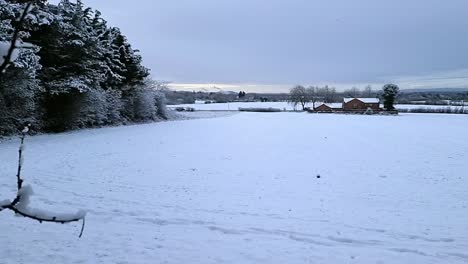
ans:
x=390 y=92
x=19 y=87
x=69 y=50
x=71 y=71
x=134 y=73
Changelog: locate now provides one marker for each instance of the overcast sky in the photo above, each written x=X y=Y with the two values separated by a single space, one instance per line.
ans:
x=272 y=44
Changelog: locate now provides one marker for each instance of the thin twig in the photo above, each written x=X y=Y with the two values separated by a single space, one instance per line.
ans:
x=19 y=181
x=20 y=157
x=82 y=227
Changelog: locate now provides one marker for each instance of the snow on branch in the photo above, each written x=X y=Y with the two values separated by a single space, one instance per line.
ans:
x=20 y=205
x=5 y=60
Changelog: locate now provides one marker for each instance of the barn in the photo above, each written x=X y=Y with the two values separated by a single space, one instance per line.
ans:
x=361 y=104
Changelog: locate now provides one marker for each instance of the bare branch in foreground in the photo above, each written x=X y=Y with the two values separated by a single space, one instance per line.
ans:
x=20 y=205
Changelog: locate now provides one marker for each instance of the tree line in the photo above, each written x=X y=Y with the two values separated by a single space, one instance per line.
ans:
x=70 y=70
x=300 y=95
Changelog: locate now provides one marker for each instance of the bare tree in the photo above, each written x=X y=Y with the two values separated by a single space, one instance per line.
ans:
x=299 y=96
x=327 y=94
x=161 y=86
x=20 y=204
x=331 y=95
x=313 y=95
x=367 y=91
x=322 y=93
x=353 y=92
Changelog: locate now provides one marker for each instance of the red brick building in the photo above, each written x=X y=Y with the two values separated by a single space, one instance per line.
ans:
x=361 y=104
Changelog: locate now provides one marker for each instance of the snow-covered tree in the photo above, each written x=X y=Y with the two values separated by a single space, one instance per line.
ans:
x=114 y=106
x=18 y=83
x=18 y=93
x=135 y=73
x=161 y=109
x=71 y=67
x=69 y=50
x=160 y=96
x=390 y=92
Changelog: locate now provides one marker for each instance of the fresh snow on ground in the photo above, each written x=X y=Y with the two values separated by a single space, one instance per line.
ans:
x=243 y=188
x=288 y=106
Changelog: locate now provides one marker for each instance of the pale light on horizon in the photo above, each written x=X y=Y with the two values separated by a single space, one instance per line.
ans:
x=452 y=79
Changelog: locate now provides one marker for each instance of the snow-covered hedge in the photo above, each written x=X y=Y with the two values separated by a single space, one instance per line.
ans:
x=441 y=110
x=144 y=104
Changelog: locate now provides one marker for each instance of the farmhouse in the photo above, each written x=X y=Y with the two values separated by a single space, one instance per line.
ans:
x=358 y=105
x=361 y=104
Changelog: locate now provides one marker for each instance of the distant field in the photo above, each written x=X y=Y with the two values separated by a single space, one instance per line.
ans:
x=236 y=106
x=287 y=106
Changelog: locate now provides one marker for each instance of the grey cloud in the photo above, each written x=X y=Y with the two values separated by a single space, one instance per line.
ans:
x=293 y=41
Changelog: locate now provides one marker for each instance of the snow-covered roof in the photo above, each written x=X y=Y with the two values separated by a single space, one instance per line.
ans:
x=364 y=100
x=332 y=105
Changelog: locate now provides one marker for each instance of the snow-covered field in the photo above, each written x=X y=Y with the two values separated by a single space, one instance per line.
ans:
x=287 y=106
x=243 y=188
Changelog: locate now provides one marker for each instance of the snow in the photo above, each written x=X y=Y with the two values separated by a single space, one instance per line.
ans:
x=4 y=47
x=364 y=100
x=4 y=203
x=25 y=129
x=27 y=191
x=242 y=188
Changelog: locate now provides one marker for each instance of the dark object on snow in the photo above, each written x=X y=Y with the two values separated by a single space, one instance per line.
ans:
x=318 y=176
x=259 y=109
x=186 y=109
